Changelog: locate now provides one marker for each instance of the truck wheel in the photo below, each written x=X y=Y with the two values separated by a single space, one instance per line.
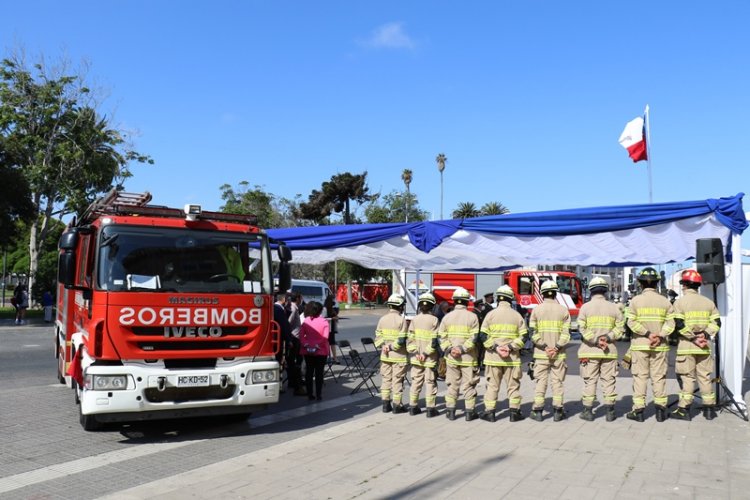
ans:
x=90 y=423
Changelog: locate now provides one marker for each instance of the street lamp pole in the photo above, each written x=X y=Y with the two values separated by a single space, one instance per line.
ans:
x=441 y=159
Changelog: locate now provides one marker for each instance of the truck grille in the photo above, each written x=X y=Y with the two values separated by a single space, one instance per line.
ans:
x=178 y=394
x=152 y=339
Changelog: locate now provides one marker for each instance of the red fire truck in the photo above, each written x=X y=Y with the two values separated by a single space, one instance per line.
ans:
x=527 y=285
x=165 y=312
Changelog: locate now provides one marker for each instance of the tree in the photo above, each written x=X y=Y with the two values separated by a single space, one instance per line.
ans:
x=256 y=202
x=392 y=208
x=335 y=196
x=466 y=210
x=494 y=208
x=67 y=152
x=15 y=201
x=406 y=176
x=440 y=160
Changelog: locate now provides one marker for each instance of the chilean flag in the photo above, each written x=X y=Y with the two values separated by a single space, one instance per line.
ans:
x=633 y=138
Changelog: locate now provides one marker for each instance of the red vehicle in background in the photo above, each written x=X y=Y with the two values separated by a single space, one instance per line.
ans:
x=166 y=312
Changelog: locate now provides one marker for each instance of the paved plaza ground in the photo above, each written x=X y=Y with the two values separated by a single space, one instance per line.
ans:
x=377 y=455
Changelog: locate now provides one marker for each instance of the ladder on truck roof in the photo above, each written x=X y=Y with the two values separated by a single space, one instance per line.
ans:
x=114 y=202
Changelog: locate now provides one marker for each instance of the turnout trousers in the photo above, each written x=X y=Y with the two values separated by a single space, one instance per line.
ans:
x=511 y=375
x=464 y=378
x=420 y=376
x=392 y=385
x=692 y=368
x=546 y=371
x=649 y=364
x=595 y=371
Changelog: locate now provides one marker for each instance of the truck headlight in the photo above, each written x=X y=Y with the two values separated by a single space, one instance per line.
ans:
x=106 y=382
x=264 y=376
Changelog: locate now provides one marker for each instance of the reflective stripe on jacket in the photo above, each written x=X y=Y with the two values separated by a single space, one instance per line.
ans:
x=459 y=328
x=391 y=331
x=647 y=314
x=550 y=324
x=503 y=326
x=598 y=318
x=699 y=315
x=423 y=330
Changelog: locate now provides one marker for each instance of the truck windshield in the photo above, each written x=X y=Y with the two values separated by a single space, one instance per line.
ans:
x=182 y=260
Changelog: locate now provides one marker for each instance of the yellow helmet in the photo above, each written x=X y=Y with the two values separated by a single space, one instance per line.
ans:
x=506 y=292
x=549 y=286
x=461 y=294
x=428 y=298
x=598 y=282
x=396 y=300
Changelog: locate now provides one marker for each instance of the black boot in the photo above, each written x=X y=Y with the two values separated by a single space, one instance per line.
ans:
x=709 y=412
x=387 y=408
x=399 y=408
x=682 y=413
x=471 y=415
x=636 y=415
x=558 y=415
x=432 y=412
x=414 y=410
x=450 y=414
x=587 y=414
x=661 y=413
x=536 y=415
x=488 y=415
x=611 y=413
x=516 y=415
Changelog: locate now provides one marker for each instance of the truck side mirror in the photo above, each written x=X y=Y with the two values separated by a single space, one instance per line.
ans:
x=285 y=254
x=66 y=268
x=285 y=276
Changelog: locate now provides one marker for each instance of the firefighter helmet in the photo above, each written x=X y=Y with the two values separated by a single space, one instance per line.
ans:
x=427 y=298
x=598 y=282
x=396 y=300
x=549 y=286
x=649 y=274
x=505 y=292
x=691 y=277
x=461 y=294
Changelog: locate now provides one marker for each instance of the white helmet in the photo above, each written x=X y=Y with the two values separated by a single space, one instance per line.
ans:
x=396 y=300
x=428 y=298
x=506 y=292
x=549 y=286
x=461 y=294
x=598 y=282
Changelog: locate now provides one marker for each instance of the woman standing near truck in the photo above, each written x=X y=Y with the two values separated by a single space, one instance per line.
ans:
x=313 y=337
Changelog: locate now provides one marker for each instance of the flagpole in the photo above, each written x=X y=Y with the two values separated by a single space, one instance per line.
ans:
x=647 y=122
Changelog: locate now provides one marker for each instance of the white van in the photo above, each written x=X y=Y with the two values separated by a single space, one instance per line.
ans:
x=312 y=290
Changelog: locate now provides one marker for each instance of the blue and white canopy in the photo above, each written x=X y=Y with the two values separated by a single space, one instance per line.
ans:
x=621 y=236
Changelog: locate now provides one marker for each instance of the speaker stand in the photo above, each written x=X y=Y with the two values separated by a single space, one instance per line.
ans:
x=722 y=402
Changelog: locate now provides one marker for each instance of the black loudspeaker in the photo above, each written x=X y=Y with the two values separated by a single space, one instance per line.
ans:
x=709 y=257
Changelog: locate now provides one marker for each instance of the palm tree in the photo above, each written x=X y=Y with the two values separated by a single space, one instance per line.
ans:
x=406 y=176
x=494 y=208
x=466 y=210
x=441 y=159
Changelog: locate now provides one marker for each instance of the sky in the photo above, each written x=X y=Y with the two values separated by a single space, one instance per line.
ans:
x=526 y=99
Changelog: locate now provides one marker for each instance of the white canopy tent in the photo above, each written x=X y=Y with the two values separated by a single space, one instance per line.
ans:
x=630 y=235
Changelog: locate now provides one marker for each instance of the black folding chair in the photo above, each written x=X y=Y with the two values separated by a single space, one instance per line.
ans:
x=365 y=374
x=346 y=357
x=329 y=369
x=371 y=356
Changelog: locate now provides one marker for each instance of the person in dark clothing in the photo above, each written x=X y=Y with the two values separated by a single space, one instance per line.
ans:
x=332 y=313
x=286 y=356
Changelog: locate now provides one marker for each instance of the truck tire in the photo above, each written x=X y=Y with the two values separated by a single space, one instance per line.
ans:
x=89 y=422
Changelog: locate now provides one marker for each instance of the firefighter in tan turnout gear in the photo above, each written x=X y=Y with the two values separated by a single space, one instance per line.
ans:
x=422 y=344
x=648 y=346
x=550 y=333
x=503 y=332
x=390 y=338
x=601 y=323
x=696 y=319
x=458 y=331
